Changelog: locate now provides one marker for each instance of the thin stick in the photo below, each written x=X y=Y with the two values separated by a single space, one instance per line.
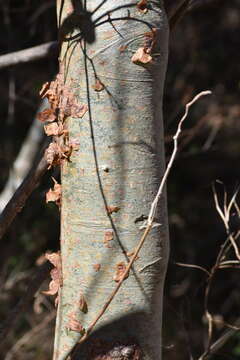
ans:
x=172 y=158
x=194 y=267
x=150 y=217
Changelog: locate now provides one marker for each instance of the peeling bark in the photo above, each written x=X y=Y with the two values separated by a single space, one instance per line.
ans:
x=111 y=180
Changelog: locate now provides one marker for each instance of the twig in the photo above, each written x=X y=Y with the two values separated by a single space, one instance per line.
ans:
x=26 y=338
x=193 y=266
x=172 y=158
x=22 y=306
x=19 y=198
x=225 y=215
x=32 y=54
x=149 y=264
x=150 y=217
x=218 y=344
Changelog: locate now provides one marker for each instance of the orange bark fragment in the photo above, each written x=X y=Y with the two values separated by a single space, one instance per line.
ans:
x=52 y=129
x=55 y=193
x=98 y=86
x=97 y=267
x=53 y=154
x=46 y=115
x=120 y=269
x=74 y=324
x=108 y=236
x=55 y=273
x=122 y=48
x=112 y=209
x=141 y=57
x=142 y=6
x=75 y=110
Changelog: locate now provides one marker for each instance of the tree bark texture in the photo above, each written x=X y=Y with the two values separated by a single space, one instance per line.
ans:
x=109 y=183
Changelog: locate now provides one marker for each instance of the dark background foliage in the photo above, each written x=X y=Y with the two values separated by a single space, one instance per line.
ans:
x=204 y=54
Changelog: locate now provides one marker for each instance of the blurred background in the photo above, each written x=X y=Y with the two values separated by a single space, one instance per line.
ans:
x=204 y=54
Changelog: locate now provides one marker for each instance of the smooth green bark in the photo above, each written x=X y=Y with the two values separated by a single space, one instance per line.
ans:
x=119 y=163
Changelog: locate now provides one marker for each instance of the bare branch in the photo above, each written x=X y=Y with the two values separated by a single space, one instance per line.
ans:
x=24 y=160
x=18 y=200
x=32 y=54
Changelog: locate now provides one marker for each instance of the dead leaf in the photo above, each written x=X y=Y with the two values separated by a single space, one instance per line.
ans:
x=97 y=267
x=83 y=304
x=46 y=115
x=54 y=194
x=141 y=57
x=142 y=6
x=112 y=209
x=120 y=269
x=98 y=86
x=108 y=236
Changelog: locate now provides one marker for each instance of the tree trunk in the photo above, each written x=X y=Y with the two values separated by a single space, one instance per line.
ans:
x=110 y=181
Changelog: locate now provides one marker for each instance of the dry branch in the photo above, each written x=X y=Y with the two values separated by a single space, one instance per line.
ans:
x=24 y=160
x=18 y=200
x=32 y=54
